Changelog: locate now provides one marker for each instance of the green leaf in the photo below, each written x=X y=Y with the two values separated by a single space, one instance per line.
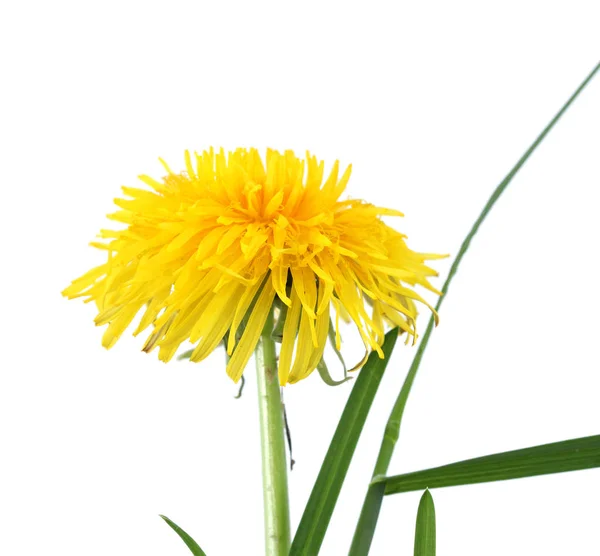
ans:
x=425 y=529
x=361 y=543
x=558 y=457
x=190 y=543
x=392 y=429
x=324 y=495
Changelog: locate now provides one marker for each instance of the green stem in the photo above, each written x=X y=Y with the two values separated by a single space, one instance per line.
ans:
x=274 y=463
x=368 y=517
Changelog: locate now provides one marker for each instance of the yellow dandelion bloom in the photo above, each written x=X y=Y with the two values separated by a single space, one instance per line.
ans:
x=207 y=252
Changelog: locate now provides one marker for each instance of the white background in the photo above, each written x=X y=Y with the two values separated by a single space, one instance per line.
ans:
x=432 y=103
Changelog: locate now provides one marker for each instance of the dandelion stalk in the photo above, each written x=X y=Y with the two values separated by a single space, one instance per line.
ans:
x=274 y=464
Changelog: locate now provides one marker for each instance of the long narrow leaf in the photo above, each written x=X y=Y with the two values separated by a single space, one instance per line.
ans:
x=392 y=429
x=361 y=543
x=324 y=495
x=190 y=543
x=558 y=457
x=425 y=529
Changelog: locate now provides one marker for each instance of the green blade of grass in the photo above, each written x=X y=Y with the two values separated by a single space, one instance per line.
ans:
x=392 y=429
x=425 y=528
x=324 y=495
x=362 y=539
x=190 y=543
x=558 y=457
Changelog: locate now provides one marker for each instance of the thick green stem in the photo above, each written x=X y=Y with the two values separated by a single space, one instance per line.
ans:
x=274 y=463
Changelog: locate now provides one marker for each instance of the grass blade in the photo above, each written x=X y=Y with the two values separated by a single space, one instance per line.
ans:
x=558 y=457
x=392 y=429
x=324 y=495
x=361 y=543
x=190 y=543
x=425 y=529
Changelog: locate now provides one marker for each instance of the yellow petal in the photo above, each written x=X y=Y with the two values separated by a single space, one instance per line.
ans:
x=256 y=322
x=290 y=329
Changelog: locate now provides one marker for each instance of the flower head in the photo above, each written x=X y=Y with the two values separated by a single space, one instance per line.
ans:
x=208 y=253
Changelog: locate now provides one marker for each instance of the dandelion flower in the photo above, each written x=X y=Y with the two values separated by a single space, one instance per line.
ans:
x=208 y=253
